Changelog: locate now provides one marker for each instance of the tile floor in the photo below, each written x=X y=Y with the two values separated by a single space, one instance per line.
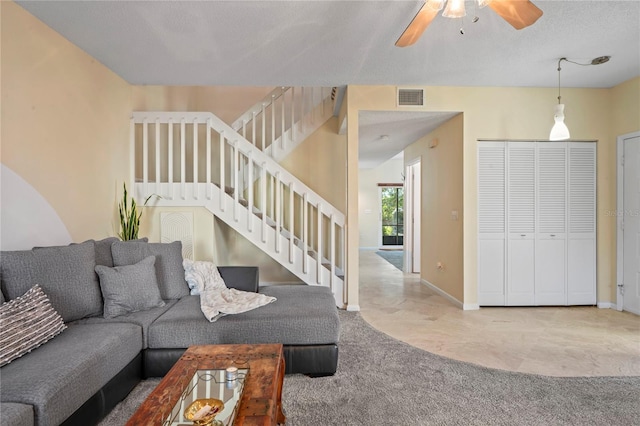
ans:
x=564 y=341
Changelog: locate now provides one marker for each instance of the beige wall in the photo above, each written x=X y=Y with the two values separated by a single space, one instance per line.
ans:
x=320 y=163
x=504 y=113
x=65 y=123
x=203 y=226
x=234 y=249
x=369 y=199
x=625 y=107
x=441 y=193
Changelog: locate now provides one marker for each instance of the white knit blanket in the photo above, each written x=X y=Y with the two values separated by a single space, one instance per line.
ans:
x=216 y=300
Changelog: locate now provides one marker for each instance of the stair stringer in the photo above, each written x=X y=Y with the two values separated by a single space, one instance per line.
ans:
x=277 y=245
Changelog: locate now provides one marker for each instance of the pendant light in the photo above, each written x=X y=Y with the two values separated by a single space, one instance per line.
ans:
x=559 y=131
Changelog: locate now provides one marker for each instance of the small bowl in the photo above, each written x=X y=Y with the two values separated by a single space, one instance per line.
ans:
x=216 y=407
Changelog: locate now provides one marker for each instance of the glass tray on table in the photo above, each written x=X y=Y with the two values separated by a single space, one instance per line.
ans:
x=209 y=384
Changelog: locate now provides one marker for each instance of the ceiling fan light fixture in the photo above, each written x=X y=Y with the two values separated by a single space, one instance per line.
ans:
x=435 y=4
x=454 y=9
x=559 y=131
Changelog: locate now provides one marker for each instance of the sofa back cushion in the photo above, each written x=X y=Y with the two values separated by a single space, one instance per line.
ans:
x=65 y=273
x=169 y=270
x=103 y=250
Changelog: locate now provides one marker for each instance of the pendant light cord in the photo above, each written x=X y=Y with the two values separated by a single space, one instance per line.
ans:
x=596 y=61
x=560 y=69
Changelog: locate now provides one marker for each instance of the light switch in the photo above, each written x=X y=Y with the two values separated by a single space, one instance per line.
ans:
x=454 y=214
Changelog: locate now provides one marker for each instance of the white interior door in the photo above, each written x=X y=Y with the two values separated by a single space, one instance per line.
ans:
x=551 y=217
x=631 y=230
x=492 y=253
x=412 y=214
x=521 y=217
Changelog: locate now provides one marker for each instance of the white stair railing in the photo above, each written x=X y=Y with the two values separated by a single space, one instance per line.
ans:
x=195 y=159
x=285 y=117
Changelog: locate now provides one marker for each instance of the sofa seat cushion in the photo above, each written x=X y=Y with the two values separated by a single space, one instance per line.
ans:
x=13 y=414
x=59 y=376
x=141 y=318
x=301 y=315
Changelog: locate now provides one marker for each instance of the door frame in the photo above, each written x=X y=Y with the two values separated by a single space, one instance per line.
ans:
x=411 y=214
x=620 y=217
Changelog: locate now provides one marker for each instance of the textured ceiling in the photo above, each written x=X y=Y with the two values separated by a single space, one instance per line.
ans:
x=335 y=43
x=383 y=134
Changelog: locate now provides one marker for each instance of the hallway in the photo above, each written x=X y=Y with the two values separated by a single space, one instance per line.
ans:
x=576 y=341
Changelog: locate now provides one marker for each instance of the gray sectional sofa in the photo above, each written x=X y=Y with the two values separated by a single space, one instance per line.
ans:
x=79 y=375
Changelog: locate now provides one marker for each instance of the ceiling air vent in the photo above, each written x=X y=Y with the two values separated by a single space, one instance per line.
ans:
x=410 y=97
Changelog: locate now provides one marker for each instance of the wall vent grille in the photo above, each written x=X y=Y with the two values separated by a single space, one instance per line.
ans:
x=410 y=97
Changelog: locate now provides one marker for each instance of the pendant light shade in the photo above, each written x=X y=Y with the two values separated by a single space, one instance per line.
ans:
x=559 y=131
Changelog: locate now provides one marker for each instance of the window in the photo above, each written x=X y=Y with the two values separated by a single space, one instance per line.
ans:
x=392 y=215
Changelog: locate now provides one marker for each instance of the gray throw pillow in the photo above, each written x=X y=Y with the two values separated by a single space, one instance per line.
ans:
x=65 y=273
x=170 y=272
x=129 y=288
x=27 y=322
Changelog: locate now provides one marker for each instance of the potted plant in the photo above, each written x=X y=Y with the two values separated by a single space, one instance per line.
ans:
x=130 y=216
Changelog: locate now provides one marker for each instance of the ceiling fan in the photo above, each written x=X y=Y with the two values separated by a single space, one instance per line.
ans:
x=519 y=13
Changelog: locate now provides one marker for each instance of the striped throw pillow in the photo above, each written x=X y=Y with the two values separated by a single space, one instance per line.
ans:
x=27 y=322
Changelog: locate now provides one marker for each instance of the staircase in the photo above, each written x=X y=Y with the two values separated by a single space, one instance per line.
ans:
x=285 y=117
x=195 y=159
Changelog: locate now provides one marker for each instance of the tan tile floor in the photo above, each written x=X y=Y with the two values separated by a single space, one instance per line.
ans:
x=564 y=341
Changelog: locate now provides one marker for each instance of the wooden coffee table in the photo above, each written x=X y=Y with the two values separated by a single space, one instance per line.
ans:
x=261 y=399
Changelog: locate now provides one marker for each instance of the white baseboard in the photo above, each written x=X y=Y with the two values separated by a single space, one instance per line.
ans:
x=353 y=308
x=450 y=298
x=607 y=305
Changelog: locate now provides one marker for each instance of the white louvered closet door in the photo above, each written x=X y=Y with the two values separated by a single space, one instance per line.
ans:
x=521 y=212
x=581 y=262
x=491 y=223
x=551 y=233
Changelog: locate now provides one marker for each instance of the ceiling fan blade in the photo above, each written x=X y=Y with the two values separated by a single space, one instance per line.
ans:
x=519 y=13
x=417 y=26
